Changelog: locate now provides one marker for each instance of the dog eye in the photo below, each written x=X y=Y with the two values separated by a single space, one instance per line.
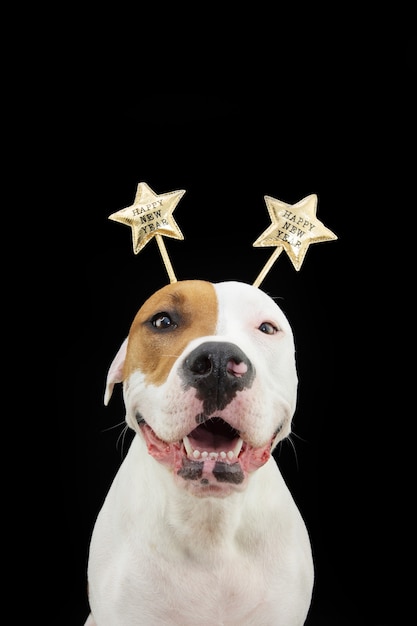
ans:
x=268 y=328
x=162 y=320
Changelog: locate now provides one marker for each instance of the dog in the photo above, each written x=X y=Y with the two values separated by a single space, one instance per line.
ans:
x=199 y=526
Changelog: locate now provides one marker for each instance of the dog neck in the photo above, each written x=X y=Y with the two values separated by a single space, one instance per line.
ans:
x=209 y=520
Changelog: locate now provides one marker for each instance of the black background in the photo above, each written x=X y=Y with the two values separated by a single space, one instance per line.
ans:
x=228 y=150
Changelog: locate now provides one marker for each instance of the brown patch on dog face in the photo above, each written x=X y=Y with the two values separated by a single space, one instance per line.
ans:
x=191 y=306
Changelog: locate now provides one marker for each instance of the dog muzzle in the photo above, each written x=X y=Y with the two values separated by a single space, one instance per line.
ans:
x=213 y=458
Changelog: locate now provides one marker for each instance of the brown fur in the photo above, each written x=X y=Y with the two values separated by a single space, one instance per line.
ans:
x=155 y=352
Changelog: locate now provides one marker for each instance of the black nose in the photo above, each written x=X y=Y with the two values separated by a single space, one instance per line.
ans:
x=217 y=370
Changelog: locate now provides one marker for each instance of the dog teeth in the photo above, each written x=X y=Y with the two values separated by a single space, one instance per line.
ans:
x=196 y=454
x=187 y=446
x=238 y=446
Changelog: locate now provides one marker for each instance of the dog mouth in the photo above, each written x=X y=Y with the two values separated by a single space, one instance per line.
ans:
x=214 y=439
x=213 y=457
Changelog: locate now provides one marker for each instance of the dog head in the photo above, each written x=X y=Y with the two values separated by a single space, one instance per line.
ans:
x=209 y=381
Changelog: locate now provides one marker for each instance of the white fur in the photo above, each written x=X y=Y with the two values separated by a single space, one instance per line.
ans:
x=163 y=554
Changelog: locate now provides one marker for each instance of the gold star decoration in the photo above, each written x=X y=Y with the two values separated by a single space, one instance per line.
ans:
x=294 y=227
x=150 y=216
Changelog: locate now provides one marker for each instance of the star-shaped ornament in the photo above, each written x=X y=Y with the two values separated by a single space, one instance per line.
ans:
x=294 y=227
x=150 y=215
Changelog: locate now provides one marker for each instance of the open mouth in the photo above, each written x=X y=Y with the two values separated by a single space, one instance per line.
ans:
x=214 y=448
x=215 y=439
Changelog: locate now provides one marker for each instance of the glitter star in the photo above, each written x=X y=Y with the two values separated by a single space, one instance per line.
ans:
x=150 y=215
x=294 y=227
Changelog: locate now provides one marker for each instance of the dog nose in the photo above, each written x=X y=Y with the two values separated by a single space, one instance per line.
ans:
x=217 y=370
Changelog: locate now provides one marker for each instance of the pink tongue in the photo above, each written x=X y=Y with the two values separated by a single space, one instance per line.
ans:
x=202 y=439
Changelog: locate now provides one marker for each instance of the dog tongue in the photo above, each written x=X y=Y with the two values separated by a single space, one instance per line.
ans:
x=203 y=439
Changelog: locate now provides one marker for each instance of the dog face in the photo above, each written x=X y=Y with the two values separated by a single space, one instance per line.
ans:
x=209 y=381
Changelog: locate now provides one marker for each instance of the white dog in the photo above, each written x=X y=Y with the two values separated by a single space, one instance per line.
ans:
x=199 y=527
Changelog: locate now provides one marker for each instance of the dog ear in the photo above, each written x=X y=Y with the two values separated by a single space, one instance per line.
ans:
x=115 y=373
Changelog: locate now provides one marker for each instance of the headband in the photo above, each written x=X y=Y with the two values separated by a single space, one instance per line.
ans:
x=294 y=227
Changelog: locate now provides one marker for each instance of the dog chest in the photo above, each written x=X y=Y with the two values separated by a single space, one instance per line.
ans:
x=233 y=592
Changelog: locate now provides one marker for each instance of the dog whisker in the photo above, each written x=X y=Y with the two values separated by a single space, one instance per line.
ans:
x=293 y=433
x=104 y=430
x=122 y=438
x=290 y=441
x=122 y=435
x=287 y=441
